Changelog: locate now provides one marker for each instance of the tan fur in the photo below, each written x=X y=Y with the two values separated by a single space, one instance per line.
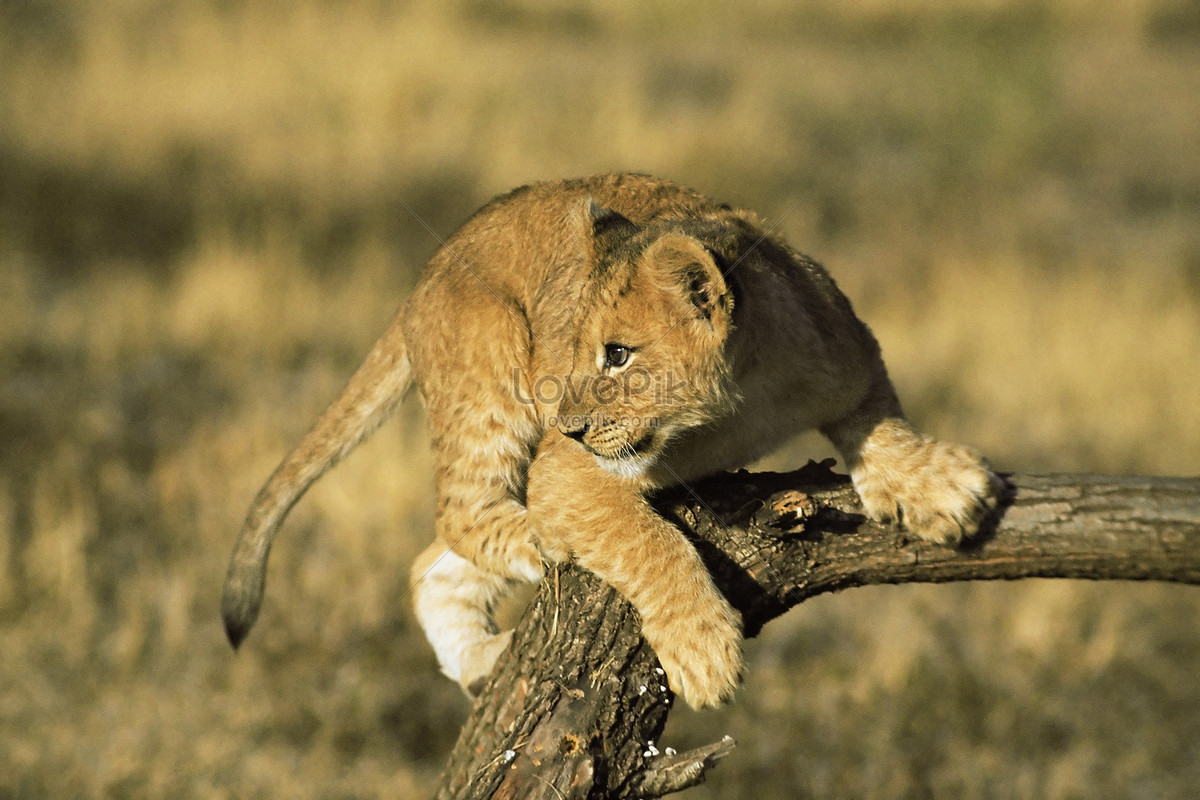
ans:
x=580 y=343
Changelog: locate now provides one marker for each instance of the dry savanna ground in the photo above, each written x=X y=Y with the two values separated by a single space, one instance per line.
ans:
x=204 y=222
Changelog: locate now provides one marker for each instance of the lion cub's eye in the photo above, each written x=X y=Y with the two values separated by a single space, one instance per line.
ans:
x=615 y=355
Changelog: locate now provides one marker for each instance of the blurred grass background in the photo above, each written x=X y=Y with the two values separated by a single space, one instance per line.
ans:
x=203 y=228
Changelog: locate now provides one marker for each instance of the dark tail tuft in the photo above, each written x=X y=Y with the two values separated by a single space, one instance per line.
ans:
x=240 y=605
x=235 y=632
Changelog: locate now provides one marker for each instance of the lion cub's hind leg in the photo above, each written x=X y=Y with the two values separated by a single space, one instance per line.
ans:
x=454 y=599
x=483 y=437
x=483 y=547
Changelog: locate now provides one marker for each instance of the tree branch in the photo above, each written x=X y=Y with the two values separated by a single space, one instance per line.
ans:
x=574 y=708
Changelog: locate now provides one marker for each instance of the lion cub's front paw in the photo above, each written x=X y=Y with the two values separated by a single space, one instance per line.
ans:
x=701 y=653
x=939 y=491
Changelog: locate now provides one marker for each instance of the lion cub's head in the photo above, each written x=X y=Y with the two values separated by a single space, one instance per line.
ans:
x=649 y=355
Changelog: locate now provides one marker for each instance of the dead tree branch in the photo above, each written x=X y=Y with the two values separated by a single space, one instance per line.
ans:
x=574 y=709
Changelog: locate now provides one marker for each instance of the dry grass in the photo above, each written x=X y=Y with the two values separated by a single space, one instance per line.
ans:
x=201 y=232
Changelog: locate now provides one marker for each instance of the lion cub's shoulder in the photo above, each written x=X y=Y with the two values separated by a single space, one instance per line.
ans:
x=636 y=196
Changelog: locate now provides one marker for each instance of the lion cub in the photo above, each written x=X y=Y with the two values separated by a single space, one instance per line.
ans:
x=580 y=343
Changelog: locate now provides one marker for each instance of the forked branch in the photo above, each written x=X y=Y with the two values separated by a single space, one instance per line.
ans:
x=575 y=708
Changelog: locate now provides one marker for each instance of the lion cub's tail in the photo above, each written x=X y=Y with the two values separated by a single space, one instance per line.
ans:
x=372 y=393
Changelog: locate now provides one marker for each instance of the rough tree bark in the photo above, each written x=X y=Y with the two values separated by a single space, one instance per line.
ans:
x=573 y=710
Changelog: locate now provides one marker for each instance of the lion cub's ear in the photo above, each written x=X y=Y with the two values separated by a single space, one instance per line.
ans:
x=601 y=227
x=689 y=263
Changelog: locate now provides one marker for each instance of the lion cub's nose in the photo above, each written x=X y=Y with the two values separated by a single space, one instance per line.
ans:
x=574 y=427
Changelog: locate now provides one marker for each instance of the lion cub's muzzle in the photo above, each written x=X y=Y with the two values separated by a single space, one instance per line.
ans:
x=609 y=437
